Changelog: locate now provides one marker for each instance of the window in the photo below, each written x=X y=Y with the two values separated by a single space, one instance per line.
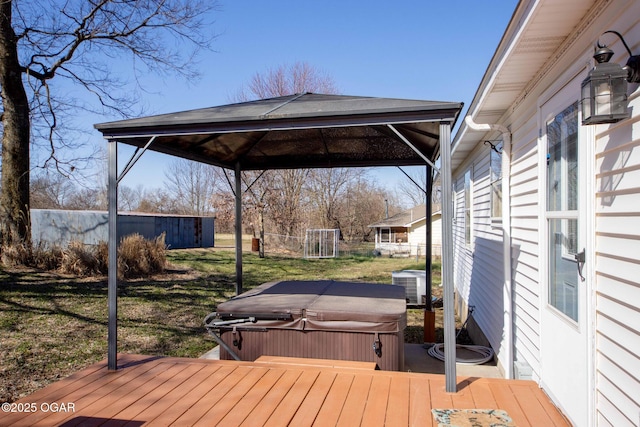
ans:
x=385 y=235
x=496 y=182
x=467 y=208
x=562 y=210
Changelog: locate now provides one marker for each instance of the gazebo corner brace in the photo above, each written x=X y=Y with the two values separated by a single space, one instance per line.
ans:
x=134 y=159
x=414 y=148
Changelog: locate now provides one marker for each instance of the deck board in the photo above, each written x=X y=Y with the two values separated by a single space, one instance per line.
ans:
x=261 y=413
x=287 y=409
x=505 y=399
x=482 y=395
x=313 y=401
x=334 y=402
x=355 y=402
x=179 y=391
x=463 y=399
x=217 y=392
x=398 y=404
x=419 y=404
x=376 y=408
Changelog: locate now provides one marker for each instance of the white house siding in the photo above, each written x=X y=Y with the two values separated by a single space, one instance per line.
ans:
x=436 y=232
x=617 y=298
x=461 y=256
x=479 y=274
x=417 y=238
x=617 y=253
x=525 y=238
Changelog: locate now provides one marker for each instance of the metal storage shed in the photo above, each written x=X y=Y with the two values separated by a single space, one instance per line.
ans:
x=298 y=131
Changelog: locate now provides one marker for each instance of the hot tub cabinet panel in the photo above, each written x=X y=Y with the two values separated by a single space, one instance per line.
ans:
x=318 y=319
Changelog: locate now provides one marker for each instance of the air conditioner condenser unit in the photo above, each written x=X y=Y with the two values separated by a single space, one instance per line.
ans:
x=415 y=284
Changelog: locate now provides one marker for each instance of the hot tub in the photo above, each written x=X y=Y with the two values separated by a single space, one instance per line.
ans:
x=321 y=319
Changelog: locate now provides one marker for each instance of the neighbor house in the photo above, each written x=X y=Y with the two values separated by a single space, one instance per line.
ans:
x=405 y=233
x=547 y=210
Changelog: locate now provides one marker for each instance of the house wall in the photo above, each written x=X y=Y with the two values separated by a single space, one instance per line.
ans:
x=478 y=267
x=417 y=238
x=436 y=233
x=414 y=240
x=613 y=262
x=617 y=239
x=525 y=238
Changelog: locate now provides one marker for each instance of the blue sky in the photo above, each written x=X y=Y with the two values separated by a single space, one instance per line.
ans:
x=424 y=50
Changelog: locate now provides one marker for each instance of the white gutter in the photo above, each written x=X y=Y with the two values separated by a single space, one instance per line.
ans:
x=507 y=292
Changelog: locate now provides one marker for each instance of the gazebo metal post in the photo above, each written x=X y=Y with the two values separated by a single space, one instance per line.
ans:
x=112 y=291
x=447 y=259
x=429 y=237
x=429 y=315
x=238 y=227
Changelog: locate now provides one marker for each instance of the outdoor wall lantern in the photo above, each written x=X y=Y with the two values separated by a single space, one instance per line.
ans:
x=604 y=91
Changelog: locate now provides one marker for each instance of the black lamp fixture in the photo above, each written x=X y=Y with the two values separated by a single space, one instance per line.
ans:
x=604 y=91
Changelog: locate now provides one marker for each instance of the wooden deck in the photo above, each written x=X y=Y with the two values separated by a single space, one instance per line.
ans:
x=190 y=392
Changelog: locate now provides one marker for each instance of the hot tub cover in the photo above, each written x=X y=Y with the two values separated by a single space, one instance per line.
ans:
x=320 y=305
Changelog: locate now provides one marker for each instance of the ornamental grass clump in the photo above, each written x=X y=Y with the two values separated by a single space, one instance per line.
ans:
x=79 y=259
x=16 y=254
x=138 y=257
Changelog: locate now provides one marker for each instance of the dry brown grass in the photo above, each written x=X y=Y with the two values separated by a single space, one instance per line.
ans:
x=137 y=257
x=16 y=254
x=79 y=260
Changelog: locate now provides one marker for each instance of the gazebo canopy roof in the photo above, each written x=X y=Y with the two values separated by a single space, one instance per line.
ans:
x=297 y=131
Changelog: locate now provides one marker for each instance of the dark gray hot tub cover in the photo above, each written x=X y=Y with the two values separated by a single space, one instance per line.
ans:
x=321 y=305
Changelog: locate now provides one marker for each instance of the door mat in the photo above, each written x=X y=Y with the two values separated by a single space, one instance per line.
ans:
x=472 y=418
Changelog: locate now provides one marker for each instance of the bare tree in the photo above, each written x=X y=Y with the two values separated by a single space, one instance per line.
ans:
x=87 y=199
x=413 y=186
x=158 y=201
x=326 y=189
x=224 y=205
x=193 y=185
x=259 y=191
x=130 y=198
x=299 y=77
x=283 y=198
x=51 y=191
x=287 y=201
x=76 y=42
x=363 y=204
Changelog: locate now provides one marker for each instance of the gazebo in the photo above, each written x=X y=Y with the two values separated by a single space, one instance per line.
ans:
x=298 y=131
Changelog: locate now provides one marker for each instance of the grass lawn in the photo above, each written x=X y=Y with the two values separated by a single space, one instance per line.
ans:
x=52 y=325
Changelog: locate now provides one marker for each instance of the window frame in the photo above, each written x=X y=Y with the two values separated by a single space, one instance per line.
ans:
x=468 y=207
x=495 y=182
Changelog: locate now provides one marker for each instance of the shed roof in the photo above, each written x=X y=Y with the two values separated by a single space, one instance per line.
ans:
x=296 y=131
